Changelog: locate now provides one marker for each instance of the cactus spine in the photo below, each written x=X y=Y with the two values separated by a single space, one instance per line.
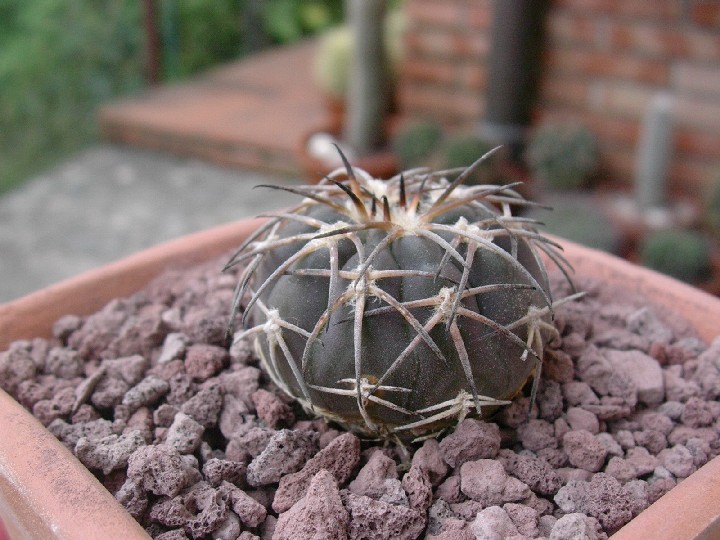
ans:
x=398 y=307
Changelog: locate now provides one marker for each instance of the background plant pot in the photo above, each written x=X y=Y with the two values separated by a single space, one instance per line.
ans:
x=46 y=493
x=380 y=164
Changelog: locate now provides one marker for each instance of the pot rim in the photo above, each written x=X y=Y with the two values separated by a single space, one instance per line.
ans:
x=37 y=501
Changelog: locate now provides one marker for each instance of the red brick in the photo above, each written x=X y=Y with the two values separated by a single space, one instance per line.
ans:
x=698 y=79
x=606 y=64
x=568 y=92
x=436 y=12
x=473 y=75
x=609 y=130
x=698 y=143
x=700 y=45
x=441 y=104
x=447 y=44
x=430 y=70
x=660 y=10
x=625 y=99
x=691 y=176
x=468 y=75
x=569 y=28
x=698 y=113
x=650 y=39
x=480 y=15
x=706 y=14
x=613 y=130
x=686 y=174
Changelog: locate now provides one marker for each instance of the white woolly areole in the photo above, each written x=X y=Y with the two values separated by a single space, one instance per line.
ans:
x=408 y=220
x=446 y=298
x=271 y=326
x=318 y=243
x=379 y=188
x=464 y=226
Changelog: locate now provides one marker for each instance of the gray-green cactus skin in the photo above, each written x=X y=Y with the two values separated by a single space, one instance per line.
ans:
x=354 y=302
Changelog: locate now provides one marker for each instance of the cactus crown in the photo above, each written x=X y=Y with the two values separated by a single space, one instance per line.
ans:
x=398 y=307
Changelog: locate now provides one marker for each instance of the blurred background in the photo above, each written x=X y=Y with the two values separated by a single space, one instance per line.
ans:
x=126 y=123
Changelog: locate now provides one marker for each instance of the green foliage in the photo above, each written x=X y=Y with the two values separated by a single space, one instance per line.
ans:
x=289 y=20
x=58 y=60
x=564 y=156
x=416 y=142
x=580 y=222
x=398 y=307
x=207 y=33
x=682 y=254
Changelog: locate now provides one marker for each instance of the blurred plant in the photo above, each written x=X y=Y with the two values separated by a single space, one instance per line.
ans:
x=712 y=206
x=207 y=33
x=332 y=61
x=58 y=61
x=286 y=21
x=563 y=156
x=581 y=222
x=463 y=149
x=415 y=143
x=682 y=254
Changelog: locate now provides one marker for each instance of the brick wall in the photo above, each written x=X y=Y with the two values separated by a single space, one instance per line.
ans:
x=603 y=62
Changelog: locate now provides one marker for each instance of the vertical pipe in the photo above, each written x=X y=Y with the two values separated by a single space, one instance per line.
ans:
x=513 y=68
x=152 y=43
x=653 y=153
x=368 y=91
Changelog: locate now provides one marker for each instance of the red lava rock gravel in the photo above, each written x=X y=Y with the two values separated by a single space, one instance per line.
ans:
x=195 y=442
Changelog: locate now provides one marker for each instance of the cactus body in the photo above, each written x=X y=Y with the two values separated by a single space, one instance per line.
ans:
x=355 y=309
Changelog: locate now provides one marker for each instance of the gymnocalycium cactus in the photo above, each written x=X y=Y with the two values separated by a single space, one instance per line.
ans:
x=398 y=307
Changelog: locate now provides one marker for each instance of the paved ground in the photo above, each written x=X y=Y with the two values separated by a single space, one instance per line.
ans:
x=252 y=112
x=110 y=201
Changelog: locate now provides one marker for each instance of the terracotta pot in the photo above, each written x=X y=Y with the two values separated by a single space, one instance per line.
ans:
x=46 y=493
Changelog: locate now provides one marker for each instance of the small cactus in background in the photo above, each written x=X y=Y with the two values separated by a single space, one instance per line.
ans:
x=415 y=143
x=332 y=61
x=331 y=66
x=461 y=150
x=684 y=255
x=581 y=222
x=398 y=307
x=563 y=156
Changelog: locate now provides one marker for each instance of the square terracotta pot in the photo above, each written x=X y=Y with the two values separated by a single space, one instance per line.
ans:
x=46 y=493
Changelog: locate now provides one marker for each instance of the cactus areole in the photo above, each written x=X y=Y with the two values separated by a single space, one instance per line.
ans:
x=398 y=307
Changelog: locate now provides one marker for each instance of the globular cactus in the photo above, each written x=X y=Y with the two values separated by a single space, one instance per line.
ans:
x=398 y=307
x=682 y=254
x=563 y=156
x=415 y=143
x=461 y=149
